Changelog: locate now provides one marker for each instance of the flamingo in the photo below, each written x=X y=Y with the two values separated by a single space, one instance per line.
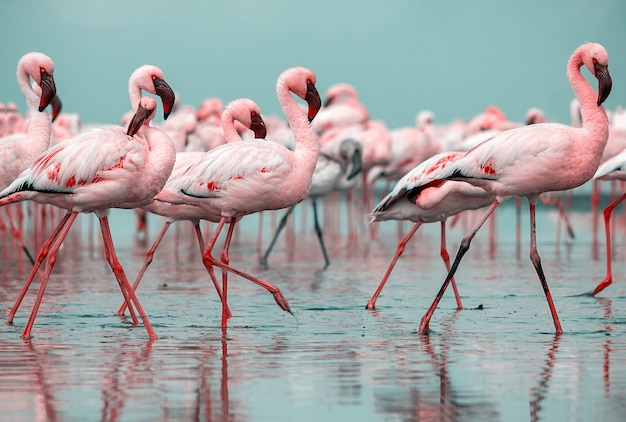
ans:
x=612 y=169
x=18 y=150
x=243 y=177
x=118 y=169
x=243 y=110
x=416 y=197
x=332 y=172
x=531 y=160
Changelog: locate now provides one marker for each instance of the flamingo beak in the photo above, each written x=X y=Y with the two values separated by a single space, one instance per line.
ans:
x=258 y=126
x=314 y=101
x=138 y=119
x=605 y=83
x=48 y=90
x=167 y=95
x=328 y=101
x=357 y=164
x=57 y=105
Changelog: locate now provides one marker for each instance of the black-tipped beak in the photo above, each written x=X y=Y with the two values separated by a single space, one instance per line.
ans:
x=138 y=119
x=328 y=101
x=357 y=164
x=57 y=105
x=167 y=95
x=48 y=90
x=605 y=83
x=314 y=101
x=258 y=126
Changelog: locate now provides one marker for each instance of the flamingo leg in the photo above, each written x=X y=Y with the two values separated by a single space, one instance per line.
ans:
x=210 y=268
x=608 y=279
x=18 y=234
x=43 y=253
x=446 y=260
x=208 y=259
x=318 y=231
x=52 y=257
x=125 y=286
x=146 y=262
x=536 y=260
x=463 y=248
x=371 y=304
x=281 y=226
x=224 y=259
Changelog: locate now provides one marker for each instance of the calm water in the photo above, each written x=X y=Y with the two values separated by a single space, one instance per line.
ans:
x=333 y=360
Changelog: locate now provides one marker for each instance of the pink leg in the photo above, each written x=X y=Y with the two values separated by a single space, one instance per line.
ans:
x=125 y=286
x=224 y=259
x=43 y=253
x=608 y=279
x=446 y=260
x=17 y=233
x=463 y=248
x=52 y=257
x=208 y=259
x=536 y=260
x=371 y=304
x=200 y=238
x=146 y=262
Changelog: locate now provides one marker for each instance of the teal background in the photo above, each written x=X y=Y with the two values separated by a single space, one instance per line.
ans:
x=453 y=57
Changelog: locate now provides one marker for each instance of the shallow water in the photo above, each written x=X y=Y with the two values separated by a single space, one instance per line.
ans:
x=497 y=359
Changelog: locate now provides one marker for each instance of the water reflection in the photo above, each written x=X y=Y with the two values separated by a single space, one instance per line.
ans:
x=538 y=394
x=334 y=360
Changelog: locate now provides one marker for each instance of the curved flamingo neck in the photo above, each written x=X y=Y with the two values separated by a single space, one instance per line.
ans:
x=30 y=94
x=307 y=144
x=594 y=117
x=134 y=93
x=40 y=123
x=228 y=126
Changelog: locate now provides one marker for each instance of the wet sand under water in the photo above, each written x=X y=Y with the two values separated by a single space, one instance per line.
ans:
x=497 y=359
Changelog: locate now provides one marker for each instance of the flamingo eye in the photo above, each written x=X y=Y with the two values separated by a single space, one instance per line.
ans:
x=253 y=113
x=42 y=70
x=595 y=61
x=154 y=77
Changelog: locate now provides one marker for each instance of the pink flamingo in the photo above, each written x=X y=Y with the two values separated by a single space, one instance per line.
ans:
x=612 y=169
x=117 y=169
x=531 y=160
x=243 y=177
x=416 y=197
x=18 y=150
x=243 y=110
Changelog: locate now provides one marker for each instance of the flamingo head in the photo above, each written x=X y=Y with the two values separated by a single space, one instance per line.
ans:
x=166 y=93
x=144 y=114
x=605 y=83
x=257 y=125
x=351 y=151
x=596 y=59
x=48 y=88
x=313 y=99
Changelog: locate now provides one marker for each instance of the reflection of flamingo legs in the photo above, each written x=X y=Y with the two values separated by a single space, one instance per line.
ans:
x=538 y=394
